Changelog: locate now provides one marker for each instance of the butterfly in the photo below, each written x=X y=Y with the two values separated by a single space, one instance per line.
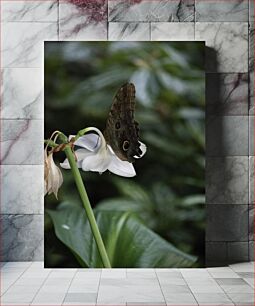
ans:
x=122 y=131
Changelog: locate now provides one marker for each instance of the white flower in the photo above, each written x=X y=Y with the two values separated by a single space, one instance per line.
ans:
x=53 y=178
x=94 y=154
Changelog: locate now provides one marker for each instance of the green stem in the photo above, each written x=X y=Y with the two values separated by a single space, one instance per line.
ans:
x=87 y=206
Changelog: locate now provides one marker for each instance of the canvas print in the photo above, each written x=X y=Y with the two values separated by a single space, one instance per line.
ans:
x=124 y=154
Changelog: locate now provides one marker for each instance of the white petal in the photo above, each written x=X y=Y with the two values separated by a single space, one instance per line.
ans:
x=143 y=148
x=97 y=162
x=65 y=164
x=80 y=155
x=90 y=142
x=120 y=167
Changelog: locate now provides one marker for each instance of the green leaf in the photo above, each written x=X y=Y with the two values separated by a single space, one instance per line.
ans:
x=128 y=242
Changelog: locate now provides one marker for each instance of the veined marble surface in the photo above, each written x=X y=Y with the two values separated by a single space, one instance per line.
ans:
x=22 y=237
x=22 y=93
x=227 y=94
x=181 y=31
x=160 y=10
x=228 y=43
x=22 y=43
x=213 y=10
x=21 y=142
x=220 y=220
x=22 y=189
x=227 y=136
x=79 y=22
x=227 y=180
x=23 y=10
x=129 y=31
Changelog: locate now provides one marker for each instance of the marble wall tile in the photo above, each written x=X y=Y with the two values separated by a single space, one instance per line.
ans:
x=21 y=142
x=129 y=31
x=227 y=180
x=251 y=135
x=215 y=252
x=251 y=180
x=234 y=10
x=251 y=70
x=79 y=23
x=251 y=10
x=251 y=93
x=154 y=10
x=23 y=10
x=22 y=93
x=227 y=45
x=251 y=222
x=181 y=31
x=22 y=43
x=22 y=237
x=237 y=251
x=227 y=135
x=22 y=189
x=251 y=250
x=227 y=223
x=227 y=94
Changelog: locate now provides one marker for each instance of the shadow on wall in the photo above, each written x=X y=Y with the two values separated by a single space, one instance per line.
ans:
x=225 y=223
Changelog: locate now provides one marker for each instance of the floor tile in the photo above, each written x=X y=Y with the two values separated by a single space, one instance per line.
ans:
x=88 y=274
x=230 y=281
x=17 y=264
x=222 y=272
x=81 y=297
x=84 y=285
x=237 y=288
x=180 y=299
x=113 y=273
x=114 y=295
x=250 y=281
x=242 y=299
x=146 y=303
x=213 y=299
x=243 y=267
x=205 y=289
x=175 y=289
x=141 y=273
x=45 y=298
x=195 y=273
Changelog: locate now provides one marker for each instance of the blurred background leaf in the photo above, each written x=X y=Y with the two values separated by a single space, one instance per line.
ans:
x=167 y=195
x=128 y=243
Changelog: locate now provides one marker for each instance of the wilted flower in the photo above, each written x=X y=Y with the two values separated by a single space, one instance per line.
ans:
x=53 y=178
x=94 y=154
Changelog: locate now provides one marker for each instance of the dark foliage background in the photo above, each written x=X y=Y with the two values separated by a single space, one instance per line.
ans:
x=167 y=194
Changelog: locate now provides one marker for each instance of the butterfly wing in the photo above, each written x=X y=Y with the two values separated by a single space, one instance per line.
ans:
x=122 y=131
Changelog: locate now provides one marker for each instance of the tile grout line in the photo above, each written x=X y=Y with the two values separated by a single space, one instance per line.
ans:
x=160 y=286
x=40 y=288
x=189 y=287
x=98 y=286
x=223 y=288
x=16 y=279
x=228 y=296
x=69 y=286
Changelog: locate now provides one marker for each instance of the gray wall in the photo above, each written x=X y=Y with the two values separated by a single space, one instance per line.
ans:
x=227 y=28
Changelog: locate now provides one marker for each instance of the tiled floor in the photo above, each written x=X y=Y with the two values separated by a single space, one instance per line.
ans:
x=28 y=283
